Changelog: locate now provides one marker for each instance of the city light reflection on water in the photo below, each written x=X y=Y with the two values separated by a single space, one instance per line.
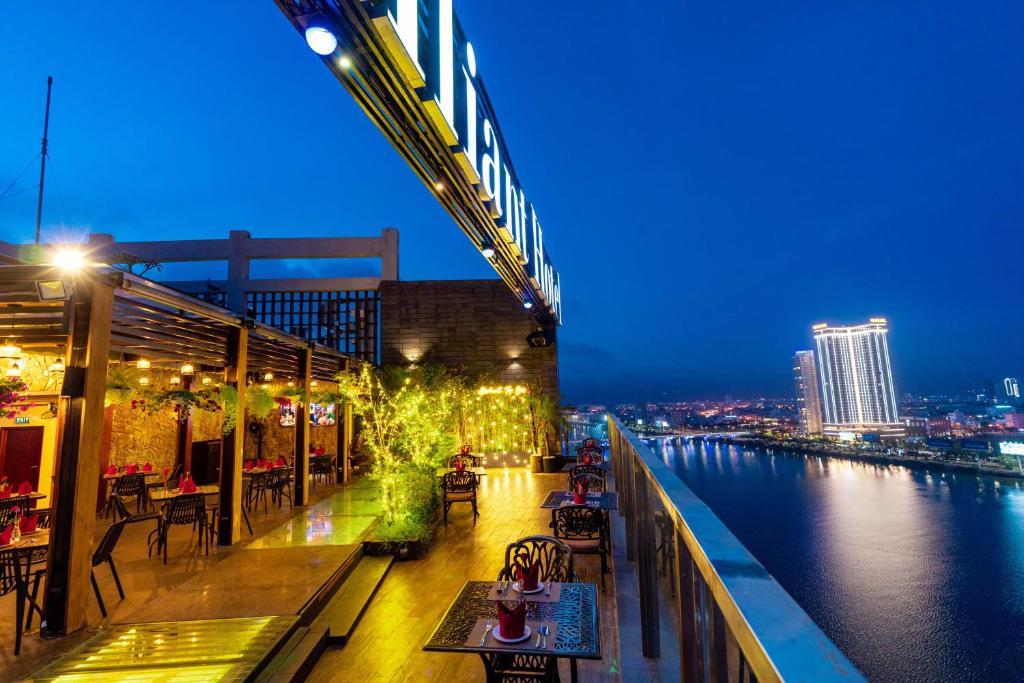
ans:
x=916 y=574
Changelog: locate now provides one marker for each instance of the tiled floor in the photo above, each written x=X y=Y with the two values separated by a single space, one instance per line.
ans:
x=387 y=643
x=293 y=556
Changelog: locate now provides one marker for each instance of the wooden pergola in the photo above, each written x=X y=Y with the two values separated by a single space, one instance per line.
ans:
x=98 y=315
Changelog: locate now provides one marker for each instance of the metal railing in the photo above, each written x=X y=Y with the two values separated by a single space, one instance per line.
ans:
x=735 y=622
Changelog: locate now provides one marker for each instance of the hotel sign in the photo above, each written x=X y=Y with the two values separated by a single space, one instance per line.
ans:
x=1011 y=448
x=418 y=47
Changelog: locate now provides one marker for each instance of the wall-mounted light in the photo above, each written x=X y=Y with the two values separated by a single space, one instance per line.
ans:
x=187 y=369
x=175 y=381
x=56 y=366
x=314 y=384
x=268 y=377
x=321 y=40
x=52 y=290
x=69 y=260
x=527 y=305
x=207 y=381
x=142 y=364
x=144 y=381
x=14 y=371
x=291 y=384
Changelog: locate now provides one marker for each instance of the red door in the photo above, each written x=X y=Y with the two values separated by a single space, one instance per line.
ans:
x=21 y=449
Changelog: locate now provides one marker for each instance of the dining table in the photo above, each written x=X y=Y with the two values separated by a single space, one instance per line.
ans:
x=17 y=559
x=568 y=467
x=607 y=500
x=572 y=619
x=478 y=471
x=164 y=495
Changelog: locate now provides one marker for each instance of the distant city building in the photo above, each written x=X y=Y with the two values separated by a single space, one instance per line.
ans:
x=1013 y=420
x=1011 y=388
x=916 y=426
x=856 y=379
x=808 y=397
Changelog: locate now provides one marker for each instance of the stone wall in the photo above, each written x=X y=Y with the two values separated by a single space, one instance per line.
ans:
x=477 y=326
x=137 y=436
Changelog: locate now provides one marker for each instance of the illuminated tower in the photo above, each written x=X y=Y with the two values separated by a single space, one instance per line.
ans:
x=856 y=379
x=808 y=398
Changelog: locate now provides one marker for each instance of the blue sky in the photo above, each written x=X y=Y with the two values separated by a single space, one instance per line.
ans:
x=713 y=177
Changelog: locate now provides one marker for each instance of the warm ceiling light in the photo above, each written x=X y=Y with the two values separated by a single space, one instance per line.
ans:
x=188 y=369
x=14 y=371
x=56 y=366
x=488 y=252
x=10 y=350
x=144 y=381
x=143 y=364
x=321 y=41
x=438 y=186
x=291 y=384
x=269 y=377
x=345 y=62
x=206 y=381
x=69 y=259
x=175 y=381
x=314 y=383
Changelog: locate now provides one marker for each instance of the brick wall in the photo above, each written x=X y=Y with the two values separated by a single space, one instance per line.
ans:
x=475 y=325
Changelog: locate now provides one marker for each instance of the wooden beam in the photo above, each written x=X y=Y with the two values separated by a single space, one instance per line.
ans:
x=229 y=528
x=69 y=565
x=302 y=430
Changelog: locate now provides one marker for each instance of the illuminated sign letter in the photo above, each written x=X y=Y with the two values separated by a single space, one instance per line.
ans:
x=407 y=26
x=492 y=166
x=469 y=73
x=446 y=82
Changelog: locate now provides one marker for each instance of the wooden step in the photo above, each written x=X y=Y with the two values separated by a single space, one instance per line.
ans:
x=342 y=613
x=296 y=658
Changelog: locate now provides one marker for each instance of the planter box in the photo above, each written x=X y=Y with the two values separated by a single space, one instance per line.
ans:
x=552 y=465
x=401 y=550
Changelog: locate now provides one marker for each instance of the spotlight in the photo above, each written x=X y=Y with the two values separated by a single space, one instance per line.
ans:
x=345 y=62
x=53 y=290
x=321 y=41
x=527 y=305
x=540 y=338
x=69 y=260
x=438 y=186
x=488 y=252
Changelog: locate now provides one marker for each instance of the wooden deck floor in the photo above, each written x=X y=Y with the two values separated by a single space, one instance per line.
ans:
x=387 y=643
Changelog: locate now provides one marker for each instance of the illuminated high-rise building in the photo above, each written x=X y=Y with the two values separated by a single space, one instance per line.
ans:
x=808 y=398
x=856 y=379
x=1010 y=388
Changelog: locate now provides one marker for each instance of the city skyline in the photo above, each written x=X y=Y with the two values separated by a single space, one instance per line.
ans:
x=836 y=147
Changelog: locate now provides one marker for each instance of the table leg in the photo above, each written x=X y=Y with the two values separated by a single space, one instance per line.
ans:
x=573 y=675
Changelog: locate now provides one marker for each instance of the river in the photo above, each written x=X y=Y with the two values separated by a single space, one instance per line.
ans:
x=916 y=574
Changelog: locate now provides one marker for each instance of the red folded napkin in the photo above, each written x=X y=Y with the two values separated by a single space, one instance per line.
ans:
x=112 y=469
x=512 y=621
x=188 y=486
x=24 y=488
x=460 y=465
x=166 y=472
x=261 y=463
x=6 y=533
x=281 y=462
x=321 y=450
x=526 y=574
x=6 y=493
x=587 y=459
x=579 y=493
x=249 y=464
x=147 y=467
x=465 y=450
x=28 y=523
x=131 y=469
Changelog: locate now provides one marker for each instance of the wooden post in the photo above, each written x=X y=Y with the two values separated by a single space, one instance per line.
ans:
x=229 y=529
x=302 y=430
x=68 y=587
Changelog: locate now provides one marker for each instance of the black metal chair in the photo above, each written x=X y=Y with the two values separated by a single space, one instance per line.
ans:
x=183 y=510
x=593 y=483
x=279 y=483
x=7 y=505
x=322 y=469
x=127 y=486
x=584 y=530
x=596 y=455
x=588 y=469
x=458 y=487
x=556 y=564
x=104 y=553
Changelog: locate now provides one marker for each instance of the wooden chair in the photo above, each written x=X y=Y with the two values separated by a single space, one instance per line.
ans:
x=593 y=482
x=584 y=530
x=458 y=487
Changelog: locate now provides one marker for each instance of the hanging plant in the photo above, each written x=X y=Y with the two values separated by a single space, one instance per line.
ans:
x=227 y=398
x=327 y=397
x=259 y=402
x=12 y=393
x=293 y=394
x=121 y=387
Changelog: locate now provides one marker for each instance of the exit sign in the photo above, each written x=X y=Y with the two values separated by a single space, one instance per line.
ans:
x=21 y=420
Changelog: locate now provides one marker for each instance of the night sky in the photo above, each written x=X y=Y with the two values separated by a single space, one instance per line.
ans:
x=713 y=177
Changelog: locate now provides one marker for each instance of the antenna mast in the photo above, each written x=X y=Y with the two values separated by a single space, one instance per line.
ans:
x=42 y=167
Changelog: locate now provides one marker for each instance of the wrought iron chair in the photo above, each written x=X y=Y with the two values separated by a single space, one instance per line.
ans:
x=596 y=455
x=593 y=482
x=467 y=459
x=128 y=486
x=589 y=469
x=583 y=529
x=7 y=506
x=555 y=558
x=458 y=487
x=104 y=553
x=189 y=508
x=279 y=483
x=13 y=579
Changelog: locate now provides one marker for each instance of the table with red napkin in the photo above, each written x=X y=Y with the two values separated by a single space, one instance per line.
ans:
x=6 y=534
x=27 y=524
x=131 y=469
x=281 y=462
x=24 y=488
x=148 y=467
x=460 y=465
x=112 y=470
x=527 y=574
x=249 y=465
x=188 y=485
x=512 y=621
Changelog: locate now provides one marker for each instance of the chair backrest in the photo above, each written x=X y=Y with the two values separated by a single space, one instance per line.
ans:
x=175 y=478
x=467 y=459
x=596 y=455
x=554 y=556
x=129 y=484
x=186 y=508
x=107 y=543
x=8 y=504
x=43 y=517
x=277 y=478
x=578 y=521
x=592 y=482
x=588 y=469
x=458 y=481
